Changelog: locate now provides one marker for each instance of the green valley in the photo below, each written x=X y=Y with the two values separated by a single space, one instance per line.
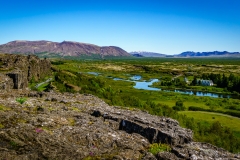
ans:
x=97 y=77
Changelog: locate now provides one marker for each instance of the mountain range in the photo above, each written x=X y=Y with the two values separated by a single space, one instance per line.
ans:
x=65 y=48
x=76 y=49
x=187 y=54
x=146 y=54
x=212 y=54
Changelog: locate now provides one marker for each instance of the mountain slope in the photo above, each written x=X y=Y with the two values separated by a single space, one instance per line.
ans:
x=146 y=54
x=213 y=54
x=65 y=48
x=187 y=54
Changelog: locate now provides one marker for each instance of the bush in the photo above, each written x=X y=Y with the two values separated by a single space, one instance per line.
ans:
x=179 y=106
x=194 y=108
x=232 y=113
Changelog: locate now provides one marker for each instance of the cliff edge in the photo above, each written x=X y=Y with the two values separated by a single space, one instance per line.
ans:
x=17 y=70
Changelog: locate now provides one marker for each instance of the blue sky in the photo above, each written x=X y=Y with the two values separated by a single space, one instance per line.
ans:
x=163 y=26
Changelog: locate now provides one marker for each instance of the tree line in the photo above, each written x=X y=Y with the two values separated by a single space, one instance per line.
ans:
x=231 y=82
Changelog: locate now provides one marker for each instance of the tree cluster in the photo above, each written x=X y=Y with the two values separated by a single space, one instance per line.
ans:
x=175 y=82
x=231 y=82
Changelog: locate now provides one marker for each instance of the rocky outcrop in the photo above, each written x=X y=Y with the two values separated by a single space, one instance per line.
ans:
x=6 y=83
x=155 y=129
x=75 y=126
x=198 y=150
x=65 y=48
x=21 y=69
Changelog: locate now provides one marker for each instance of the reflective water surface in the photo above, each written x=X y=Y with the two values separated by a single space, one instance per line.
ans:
x=145 y=85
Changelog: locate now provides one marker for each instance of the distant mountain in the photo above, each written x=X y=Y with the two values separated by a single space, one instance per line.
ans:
x=208 y=54
x=146 y=54
x=75 y=49
x=137 y=55
x=65 y=48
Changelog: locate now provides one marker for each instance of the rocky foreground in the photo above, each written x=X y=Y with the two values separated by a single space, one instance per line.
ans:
x=51 y=125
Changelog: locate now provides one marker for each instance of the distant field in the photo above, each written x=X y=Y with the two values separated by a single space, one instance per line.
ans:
x=225 y=120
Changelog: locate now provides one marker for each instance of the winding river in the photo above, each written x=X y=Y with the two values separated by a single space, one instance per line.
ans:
x=145 y=85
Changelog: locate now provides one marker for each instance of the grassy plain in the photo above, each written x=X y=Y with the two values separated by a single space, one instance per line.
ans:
x=225 y=120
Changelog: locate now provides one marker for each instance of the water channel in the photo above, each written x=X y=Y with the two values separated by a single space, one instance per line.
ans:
x=145 y=85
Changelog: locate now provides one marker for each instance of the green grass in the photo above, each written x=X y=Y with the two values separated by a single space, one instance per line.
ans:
x=158 y=147
x=43 y=87
x=187 y=104
x=169 y=103
x=225 y=120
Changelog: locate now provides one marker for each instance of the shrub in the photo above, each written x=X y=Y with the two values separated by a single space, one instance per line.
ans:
x=158 y=147
x=194 y=108
x=179 y=106
x=21 y=100
x=233 y=113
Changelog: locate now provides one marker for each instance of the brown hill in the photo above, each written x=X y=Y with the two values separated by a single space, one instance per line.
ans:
x=65 y=48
